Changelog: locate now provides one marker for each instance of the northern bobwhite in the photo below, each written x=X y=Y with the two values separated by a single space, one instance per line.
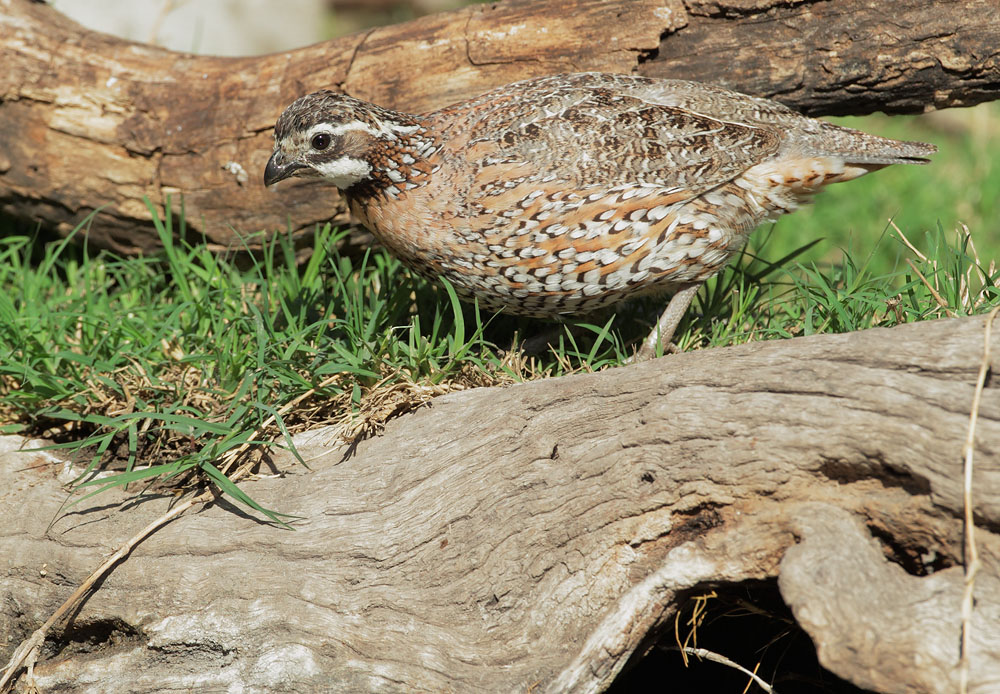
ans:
x=566 y=194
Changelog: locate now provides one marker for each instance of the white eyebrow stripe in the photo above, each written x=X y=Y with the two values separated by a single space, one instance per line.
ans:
x=354 y=125
x=341 y=129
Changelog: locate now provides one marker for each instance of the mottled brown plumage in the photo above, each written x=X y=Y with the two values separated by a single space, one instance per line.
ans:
x=566 y=194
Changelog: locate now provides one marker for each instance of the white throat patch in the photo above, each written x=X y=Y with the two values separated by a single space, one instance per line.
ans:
x=344 y=172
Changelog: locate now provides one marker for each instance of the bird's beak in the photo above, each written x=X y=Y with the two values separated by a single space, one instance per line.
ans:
x=278 y=169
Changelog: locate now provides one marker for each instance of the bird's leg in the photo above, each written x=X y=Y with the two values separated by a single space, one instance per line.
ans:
x=663 y=332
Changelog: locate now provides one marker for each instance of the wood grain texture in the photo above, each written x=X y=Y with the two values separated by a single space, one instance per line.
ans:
x=529 y=538
x=824 y=57
x=90 y=121
x=837 y=572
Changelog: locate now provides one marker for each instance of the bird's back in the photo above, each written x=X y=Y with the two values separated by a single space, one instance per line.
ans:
x=601 y=129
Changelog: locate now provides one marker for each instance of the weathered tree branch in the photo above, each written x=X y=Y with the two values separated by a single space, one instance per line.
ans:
x=530 y=538
x=91 y=121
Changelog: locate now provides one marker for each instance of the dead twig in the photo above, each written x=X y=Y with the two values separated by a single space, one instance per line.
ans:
x=971 y=552
x=231 y=456
x=705 y=654
x=698 y=613
x=27 y=653
x=934 y=292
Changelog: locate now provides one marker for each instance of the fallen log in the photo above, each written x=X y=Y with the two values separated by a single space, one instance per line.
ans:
x=542 y=537
x=91 y=122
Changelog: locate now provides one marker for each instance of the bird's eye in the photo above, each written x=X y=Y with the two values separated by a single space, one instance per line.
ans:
x=321 y=141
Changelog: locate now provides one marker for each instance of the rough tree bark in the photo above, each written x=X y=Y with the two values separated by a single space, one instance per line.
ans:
x=88 y=120
x=531 y=538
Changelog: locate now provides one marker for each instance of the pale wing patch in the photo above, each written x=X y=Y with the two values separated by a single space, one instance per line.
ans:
x=784 y=185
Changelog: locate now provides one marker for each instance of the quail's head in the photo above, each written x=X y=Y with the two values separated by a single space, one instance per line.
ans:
x=331 y=136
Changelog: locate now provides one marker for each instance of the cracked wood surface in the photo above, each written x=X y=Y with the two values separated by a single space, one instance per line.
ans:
x=90 y=120
x=530 y=538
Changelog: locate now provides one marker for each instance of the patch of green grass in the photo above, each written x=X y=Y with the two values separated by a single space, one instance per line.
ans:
x=959 y=186
x=162 y=366
x=178 y=368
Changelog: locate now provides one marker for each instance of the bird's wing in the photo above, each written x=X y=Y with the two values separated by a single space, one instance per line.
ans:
x=584 y=131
